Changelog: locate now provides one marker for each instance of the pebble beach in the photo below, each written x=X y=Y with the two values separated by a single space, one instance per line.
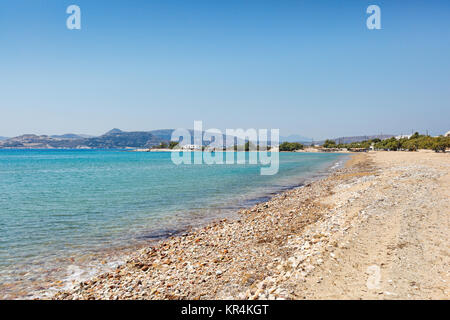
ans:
x=374 y=229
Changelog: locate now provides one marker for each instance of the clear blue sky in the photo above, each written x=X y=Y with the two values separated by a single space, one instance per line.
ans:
x=305 y=67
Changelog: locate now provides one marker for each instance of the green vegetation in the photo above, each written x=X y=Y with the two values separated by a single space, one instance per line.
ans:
x=329 y=144
x=414 y=143
x=290 y=146
x=173 y=144
x=353 y=145
x=165 y=145
x=441 y=144
x=249 y=146
x=389 y=144
x=162 y=145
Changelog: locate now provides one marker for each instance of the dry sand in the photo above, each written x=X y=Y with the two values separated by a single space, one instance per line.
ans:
x=377 y=229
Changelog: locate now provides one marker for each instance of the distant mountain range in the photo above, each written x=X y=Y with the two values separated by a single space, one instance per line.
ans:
x=72 y=136
x=117 y=138
x=112 y=139
x=295 y=138
x=3 y=138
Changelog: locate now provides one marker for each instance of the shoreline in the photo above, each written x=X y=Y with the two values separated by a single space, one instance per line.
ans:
x=105 y=260
x=255 y=203
x=287 y=247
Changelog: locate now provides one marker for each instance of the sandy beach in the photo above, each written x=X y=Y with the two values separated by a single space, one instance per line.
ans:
x=376 y=229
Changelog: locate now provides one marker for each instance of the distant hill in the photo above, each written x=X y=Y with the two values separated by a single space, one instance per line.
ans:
x=294 y=138
x=362 y=138
x=116 y=138
x=164 y=134
x=3 y=138
x=113 y=131
x=357 y=138
x=34 y=141
x=72 y=136
x=120 y=139
x=112 y=139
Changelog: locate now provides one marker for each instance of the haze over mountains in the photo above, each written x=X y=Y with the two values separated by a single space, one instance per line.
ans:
x=295 y=138
x=72 y=136
x=117 y=138
x=357 y=138
x=112 y=139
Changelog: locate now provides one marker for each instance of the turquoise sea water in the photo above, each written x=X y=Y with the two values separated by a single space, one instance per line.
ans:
x=63 y=211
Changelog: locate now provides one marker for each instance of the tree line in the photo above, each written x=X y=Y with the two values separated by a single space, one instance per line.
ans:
x=248 y=146
x=415 y=142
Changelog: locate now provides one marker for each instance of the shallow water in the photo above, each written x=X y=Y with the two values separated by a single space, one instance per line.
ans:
x=63 y=213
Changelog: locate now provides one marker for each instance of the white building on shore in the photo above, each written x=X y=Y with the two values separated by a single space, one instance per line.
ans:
x=191 y=147
x=403 y=136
